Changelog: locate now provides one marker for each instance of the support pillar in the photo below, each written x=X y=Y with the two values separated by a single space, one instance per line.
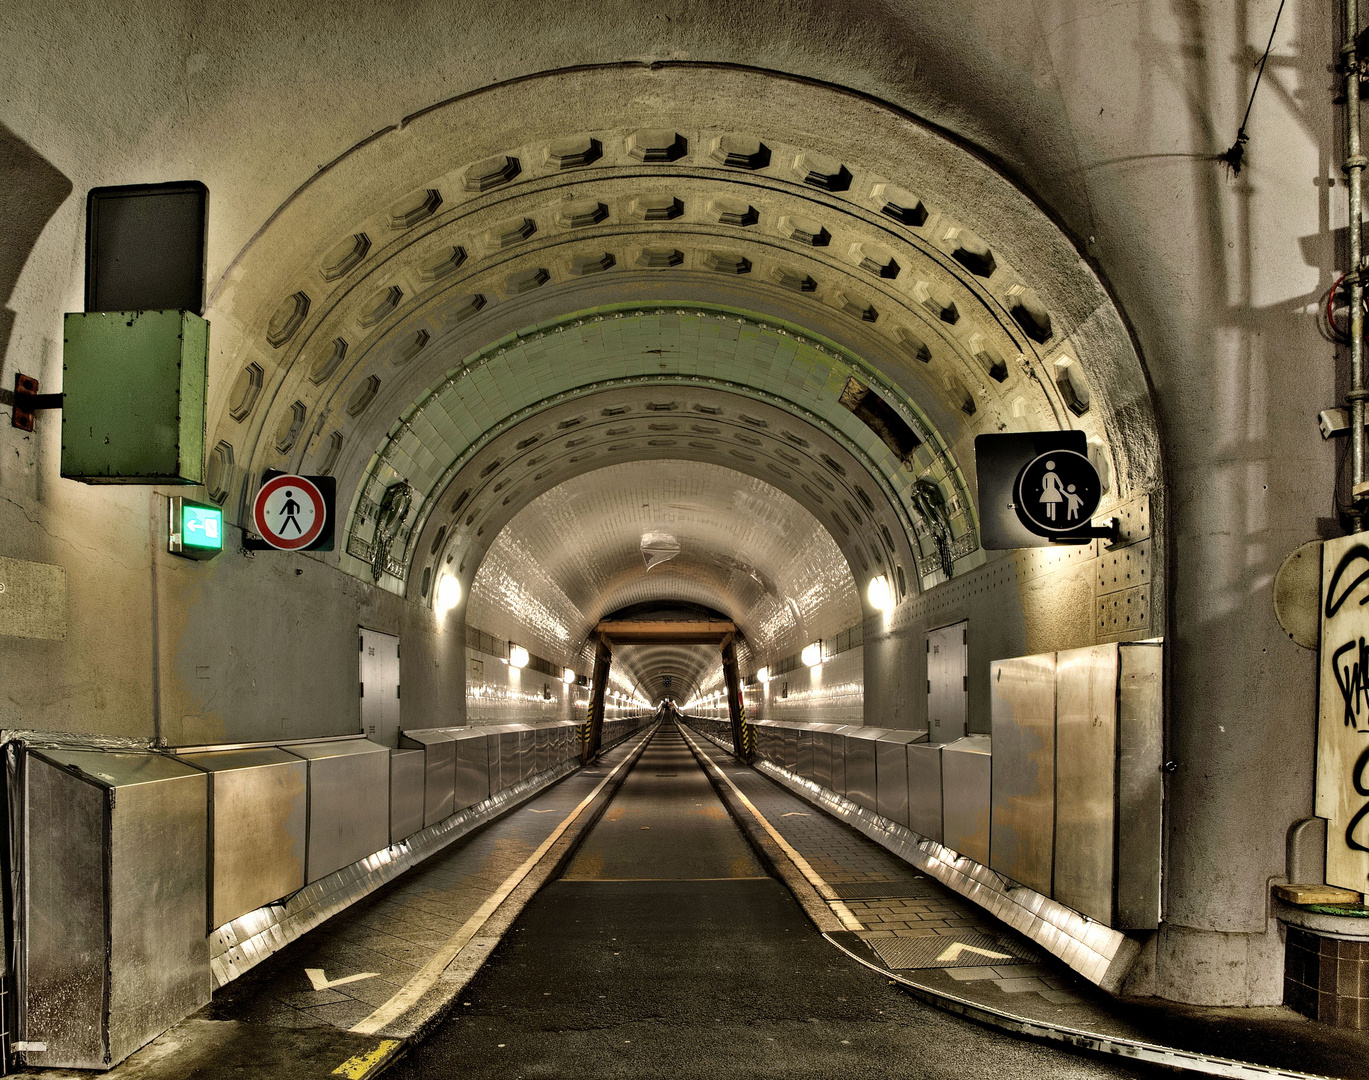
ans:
x=735 y=710
x=603 y=657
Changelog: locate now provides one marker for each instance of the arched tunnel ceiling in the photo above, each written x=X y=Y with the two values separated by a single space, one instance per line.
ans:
x=574 y=555
x=674 y=671
x=429 y=256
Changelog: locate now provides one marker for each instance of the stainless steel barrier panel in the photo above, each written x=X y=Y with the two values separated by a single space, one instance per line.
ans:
x=891 y=774
x=924 y=791
x=805 y=755
x=966 y=767
x=1022 y=830
x=839 y=735
x=439 y=770
x=472 y=768
x=114 y=942
x=543 y=760
x=791 y=747
x=257 y=811
x=527 y=752
x=349 y=802
x=1109 y=784
x=494 y=747
x=860 y=766
x=406 y=793
x=822 y=754
x=510 y=758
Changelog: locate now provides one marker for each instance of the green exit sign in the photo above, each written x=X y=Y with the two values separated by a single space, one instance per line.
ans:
x=196 y=529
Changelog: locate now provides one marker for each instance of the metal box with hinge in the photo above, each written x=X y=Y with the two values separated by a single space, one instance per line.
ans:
x=439 y=770
x=1022 y=829
x=349 y=802
x=966 y=774
x=891 y=773
x=406 y=793
x=925 y=807
x=258 y=799
x=859 y=747
x=472 y=767
x=114 y=898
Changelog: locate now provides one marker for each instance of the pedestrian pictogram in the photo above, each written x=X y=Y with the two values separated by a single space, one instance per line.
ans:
x=290 y=512
x=1057 y=493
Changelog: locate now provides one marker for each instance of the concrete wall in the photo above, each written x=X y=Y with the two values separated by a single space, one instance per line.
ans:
x=1109 y=114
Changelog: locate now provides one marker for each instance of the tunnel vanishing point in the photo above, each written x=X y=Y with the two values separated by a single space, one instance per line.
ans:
x=642 y=351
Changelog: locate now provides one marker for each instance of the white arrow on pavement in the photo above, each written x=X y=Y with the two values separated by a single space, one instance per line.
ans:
x=954 y=951
x=320 y=981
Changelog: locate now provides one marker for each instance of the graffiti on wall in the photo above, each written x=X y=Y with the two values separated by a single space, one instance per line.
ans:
x=1343 y=720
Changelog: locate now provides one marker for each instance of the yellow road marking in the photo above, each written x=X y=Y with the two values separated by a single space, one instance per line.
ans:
x=359 y=1066
x=407 y=996
x=826 y=891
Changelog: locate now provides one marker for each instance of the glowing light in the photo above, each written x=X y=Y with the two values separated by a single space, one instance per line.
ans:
x=763 y=676
x=518 y=656
x=880 y=594
x=812 y=654
x=448 y=594
x=568 y=677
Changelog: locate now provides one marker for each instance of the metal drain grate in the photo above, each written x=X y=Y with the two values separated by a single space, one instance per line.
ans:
x=905 y=889
x=947 y=951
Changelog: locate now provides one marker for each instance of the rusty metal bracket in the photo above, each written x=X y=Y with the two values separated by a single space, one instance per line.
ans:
x=25 y=400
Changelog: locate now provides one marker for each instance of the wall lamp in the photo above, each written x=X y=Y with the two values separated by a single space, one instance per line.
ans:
x=880 y=594
x=812 y=654
x=518 y=656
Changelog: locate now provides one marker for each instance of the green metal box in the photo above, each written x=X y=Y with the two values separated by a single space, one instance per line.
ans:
x=133 y=407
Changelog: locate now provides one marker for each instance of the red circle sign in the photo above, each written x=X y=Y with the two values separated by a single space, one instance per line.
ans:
x=289 y=512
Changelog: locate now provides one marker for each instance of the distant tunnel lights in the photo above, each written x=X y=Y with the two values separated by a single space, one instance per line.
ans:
x=812 y=654
x=448 y=594
x=880 y=594
x=518 y=656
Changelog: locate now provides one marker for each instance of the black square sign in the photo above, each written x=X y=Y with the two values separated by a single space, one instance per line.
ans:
x=998 y=460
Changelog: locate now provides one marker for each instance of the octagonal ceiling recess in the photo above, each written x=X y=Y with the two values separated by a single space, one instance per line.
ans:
x=573 y=556
x=845 y=237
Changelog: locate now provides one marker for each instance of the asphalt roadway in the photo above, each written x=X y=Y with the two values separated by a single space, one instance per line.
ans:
x=666 y=949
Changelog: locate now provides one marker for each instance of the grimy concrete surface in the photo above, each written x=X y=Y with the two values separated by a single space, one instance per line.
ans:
x=1109 y=117
x=665 y=951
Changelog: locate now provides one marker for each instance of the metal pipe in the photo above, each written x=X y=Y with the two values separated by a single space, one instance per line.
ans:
x=1354 y=170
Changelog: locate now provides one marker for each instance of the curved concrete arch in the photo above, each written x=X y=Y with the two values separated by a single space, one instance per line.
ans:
x=930 y=265
x=574 y=555
x=590 y=351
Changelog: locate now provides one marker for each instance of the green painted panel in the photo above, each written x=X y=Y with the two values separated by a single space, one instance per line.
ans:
x=134 y=389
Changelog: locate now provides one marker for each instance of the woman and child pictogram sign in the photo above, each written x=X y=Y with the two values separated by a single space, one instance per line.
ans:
x=1037 y=488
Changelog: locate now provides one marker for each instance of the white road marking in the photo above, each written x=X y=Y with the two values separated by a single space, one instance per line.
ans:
x=428 y=975
x=794 y=813
x=824 y=890
x=533 y=811
x=953 y=953
x=320 y=982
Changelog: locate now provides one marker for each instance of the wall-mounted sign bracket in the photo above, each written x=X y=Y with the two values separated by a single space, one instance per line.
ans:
x=25 y=401
x=1107 y=531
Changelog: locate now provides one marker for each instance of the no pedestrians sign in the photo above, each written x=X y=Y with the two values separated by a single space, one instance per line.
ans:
x=290 y=512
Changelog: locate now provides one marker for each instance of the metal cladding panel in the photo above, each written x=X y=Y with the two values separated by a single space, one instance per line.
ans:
x=838 y=783
x=406 y=792
x=543 y=759
x=790 y=748
x=966 y=775
x=805 y=755
x=494 y=748
x=1022 y=831
x=947 y=687
x=134 y=387
x=860 y=769
x=1140 y=784
x=158 y=892
x=65 y=937
x=115 y=866
x=472 y=770
x=439 y=771
x=891 y=774
x=822 y=758
x=1085 y=782
x=258 y=800
x=924 y=790
x=527 y=753
x=510 y=759
x=349 y=802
